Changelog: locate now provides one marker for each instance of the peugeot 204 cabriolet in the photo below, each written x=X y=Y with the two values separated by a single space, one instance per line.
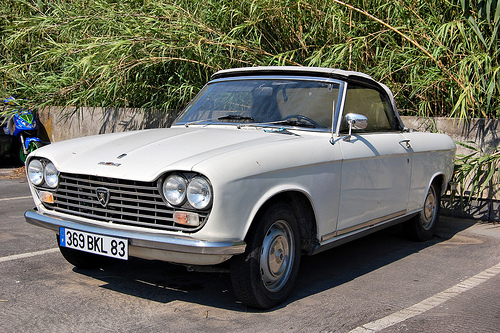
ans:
x=265 y=165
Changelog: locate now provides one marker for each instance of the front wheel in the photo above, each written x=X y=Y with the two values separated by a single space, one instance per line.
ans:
x=33 y=145
x=264 y=275
x=423 y=226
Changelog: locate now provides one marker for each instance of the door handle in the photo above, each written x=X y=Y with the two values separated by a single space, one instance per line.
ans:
x=406 y=142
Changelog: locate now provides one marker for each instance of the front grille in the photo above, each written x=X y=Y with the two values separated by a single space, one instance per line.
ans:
x=130 y=202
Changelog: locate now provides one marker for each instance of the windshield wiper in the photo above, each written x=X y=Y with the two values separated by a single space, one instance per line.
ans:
x=235 y=118
x=229 y=118
x=295 y=123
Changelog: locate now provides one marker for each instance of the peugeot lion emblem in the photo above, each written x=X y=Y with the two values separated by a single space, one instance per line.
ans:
x=102 y=196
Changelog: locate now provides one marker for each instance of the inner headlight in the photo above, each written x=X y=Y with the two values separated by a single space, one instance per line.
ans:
x=51 y=175
x=199 y=193
x=174 y=189
x=35 y=172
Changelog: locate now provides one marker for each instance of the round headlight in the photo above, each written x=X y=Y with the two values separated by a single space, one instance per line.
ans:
x=199 y=193
x=51 y=175
x=174 y=189
x=35 y=172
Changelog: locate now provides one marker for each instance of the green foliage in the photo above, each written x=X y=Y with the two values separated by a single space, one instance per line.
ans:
x=477 y=173
x=440 y=57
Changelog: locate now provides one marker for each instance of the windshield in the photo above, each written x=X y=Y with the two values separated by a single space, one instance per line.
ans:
x=280 y=102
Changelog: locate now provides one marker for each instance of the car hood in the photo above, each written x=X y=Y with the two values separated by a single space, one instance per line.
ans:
x=144 y=155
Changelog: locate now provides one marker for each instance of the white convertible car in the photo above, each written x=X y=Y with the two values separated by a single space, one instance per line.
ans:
x=266 y=164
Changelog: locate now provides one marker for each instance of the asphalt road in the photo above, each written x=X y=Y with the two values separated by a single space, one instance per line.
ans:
x=382 y=282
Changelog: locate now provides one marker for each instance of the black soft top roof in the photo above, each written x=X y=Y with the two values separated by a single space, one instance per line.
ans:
x=296 y=71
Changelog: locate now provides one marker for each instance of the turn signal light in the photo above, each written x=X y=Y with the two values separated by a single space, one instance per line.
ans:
x=187 y=218
x=46 y=197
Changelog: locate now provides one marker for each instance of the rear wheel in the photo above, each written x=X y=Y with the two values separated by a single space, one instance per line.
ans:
x=264 y=275
x=423 y=226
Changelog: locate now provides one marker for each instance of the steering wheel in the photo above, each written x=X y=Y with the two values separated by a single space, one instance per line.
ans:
x=302 y=118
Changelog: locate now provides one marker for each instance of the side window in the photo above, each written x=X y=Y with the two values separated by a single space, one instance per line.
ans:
x=370 y=103
x=314 y=102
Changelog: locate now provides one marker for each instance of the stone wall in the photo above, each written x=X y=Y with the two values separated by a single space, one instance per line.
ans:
x=62 y=124
x=483 y=132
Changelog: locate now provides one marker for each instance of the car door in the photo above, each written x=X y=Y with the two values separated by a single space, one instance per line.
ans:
x=376 y=165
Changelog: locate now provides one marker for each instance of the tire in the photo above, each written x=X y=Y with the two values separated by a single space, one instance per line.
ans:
x=423 y=226
x=84 y=260
x=264 y=275
x=32 y=146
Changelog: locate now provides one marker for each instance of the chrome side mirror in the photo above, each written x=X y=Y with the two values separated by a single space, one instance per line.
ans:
x=355 y=121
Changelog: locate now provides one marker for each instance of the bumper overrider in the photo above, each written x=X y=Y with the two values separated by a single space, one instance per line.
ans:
x=149 y=245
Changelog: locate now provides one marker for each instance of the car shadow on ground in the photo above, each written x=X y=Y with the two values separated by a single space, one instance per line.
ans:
x=162 y=282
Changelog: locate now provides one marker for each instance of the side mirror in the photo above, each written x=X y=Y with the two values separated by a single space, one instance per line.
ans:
x=355 y=121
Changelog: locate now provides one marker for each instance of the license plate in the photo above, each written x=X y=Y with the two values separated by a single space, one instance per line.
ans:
x=98 y=244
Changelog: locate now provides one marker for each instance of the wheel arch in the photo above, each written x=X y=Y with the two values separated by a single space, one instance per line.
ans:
x=303 y=211
x=422 y=226
x=441 y=182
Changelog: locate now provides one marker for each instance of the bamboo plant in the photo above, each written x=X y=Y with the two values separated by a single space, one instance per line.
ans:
x=441 y=58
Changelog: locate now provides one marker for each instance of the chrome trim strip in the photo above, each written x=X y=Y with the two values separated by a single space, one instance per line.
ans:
x=142 y=239
x=340 y=111
x=370 y=223
x=345 y=238
x=133 y=187
x=92 y=188
x=127 y=222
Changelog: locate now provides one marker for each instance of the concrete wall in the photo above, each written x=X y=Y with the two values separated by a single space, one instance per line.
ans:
x=63 y=124
x=483 y=132
x=60 y=124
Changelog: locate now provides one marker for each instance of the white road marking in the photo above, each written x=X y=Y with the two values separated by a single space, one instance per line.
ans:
x=27 y=255
x=17 y=198
x=429 y=303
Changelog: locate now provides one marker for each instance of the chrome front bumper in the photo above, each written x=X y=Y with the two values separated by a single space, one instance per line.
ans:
x=148 y=245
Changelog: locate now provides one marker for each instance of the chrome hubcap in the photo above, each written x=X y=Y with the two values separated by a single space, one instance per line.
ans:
x=429 y=209
x=276 y=259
